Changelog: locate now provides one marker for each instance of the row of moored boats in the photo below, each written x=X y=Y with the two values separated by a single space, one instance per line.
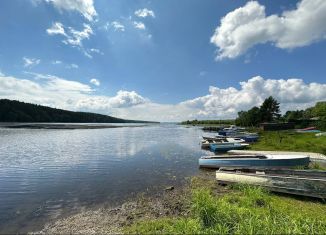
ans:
x=235 y=138
x=276 y=172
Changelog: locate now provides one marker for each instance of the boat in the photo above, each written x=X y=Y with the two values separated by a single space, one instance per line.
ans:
x=311 y=129
x=321 y=134
x=262 y=161
x=207 y=143
x=248 y=138
x=311 y=183
x=224 y=147
x=227 y=139
x=212 y=140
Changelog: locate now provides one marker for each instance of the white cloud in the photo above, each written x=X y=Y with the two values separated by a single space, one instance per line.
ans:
x=61 y=93
x=72 y=36
x=1 y=74
x=84 y=7
x=97 y=51
x=247 y=26
x=74 y=66
x=139 y=25
x=116 y=25
x=219 y=103
x=57 y=28
x=76 y=37
x=95 y=82
x=57 y=62
x=29 y=62
x=144 y=13
x=291 y=93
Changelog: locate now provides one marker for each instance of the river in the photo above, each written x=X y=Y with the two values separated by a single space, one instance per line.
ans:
x=45 y=174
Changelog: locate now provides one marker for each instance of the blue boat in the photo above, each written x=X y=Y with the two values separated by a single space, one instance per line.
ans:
x=254 y=161
x=248 y=138
x=224 y=147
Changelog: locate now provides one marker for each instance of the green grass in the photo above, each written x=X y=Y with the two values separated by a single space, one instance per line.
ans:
x=290 y=141
x=246 y=210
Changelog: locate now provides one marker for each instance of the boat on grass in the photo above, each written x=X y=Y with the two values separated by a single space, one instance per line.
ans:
x=254 y=161
x=311 y=183
x=224 y=147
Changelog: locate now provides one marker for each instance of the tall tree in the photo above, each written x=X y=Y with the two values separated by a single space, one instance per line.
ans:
x=270 y=110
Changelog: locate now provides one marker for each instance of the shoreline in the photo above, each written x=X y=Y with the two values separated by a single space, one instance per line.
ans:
x=105 y=219
x=63 y=126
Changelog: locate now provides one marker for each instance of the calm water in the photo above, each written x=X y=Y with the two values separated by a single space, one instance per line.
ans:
x=47 y=173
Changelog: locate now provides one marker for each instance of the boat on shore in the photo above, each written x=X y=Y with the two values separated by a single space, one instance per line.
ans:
x=311 y=183
x=224 y=147
x=254 y=161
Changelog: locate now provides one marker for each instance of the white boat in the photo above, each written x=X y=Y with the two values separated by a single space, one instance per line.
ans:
x=256 y=161
x=212 y=140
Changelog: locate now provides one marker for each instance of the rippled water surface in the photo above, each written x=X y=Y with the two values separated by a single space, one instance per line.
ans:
x=46 y=173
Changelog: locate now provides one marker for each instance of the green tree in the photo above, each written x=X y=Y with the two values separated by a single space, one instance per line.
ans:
x=270 y=110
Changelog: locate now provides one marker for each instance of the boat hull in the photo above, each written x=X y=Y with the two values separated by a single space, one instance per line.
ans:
x=226 y=147
x=253 y=161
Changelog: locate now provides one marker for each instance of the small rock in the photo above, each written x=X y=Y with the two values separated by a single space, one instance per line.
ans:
x=169 y=188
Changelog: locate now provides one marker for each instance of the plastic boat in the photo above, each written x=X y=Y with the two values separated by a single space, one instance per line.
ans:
x=256 y=161
x=224 y=147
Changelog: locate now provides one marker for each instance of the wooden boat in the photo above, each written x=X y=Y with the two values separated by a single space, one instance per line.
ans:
x=310 y=183
x=224 y=147
x=254 y=161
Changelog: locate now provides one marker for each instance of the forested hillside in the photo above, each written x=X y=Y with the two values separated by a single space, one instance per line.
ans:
x=16 y=111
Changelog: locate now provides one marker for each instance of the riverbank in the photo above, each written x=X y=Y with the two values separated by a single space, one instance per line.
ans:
x=201 y=206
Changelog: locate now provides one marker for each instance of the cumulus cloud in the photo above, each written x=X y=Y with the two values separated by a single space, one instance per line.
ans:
x=139 y=25
x=247 y=26
x=219 y=103
x=72 y=36
x=95 y=82
x=292 y=94
x=144 y=13
x=29 y=62
x=84 y=7
x=57 y=92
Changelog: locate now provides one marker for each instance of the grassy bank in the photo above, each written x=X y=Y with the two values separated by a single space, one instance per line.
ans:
x=246 y=209
x=243 y=210
x=290 y=141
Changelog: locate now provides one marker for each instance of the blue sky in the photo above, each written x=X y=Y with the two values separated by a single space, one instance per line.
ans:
x=163 y=60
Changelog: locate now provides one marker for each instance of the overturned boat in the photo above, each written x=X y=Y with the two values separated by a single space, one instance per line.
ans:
x=224 y=147
x=254 y=161
x=311 y=183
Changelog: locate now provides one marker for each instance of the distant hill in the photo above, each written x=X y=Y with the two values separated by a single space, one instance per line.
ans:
x=16 y=111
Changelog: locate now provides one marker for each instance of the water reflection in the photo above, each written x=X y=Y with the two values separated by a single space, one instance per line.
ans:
x=45 y=173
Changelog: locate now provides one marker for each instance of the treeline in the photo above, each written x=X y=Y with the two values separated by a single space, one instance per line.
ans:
x=269 y=111
x=208 y=122
x=16 y=111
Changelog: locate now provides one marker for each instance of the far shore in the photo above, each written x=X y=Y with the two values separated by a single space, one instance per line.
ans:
x=64 y=126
